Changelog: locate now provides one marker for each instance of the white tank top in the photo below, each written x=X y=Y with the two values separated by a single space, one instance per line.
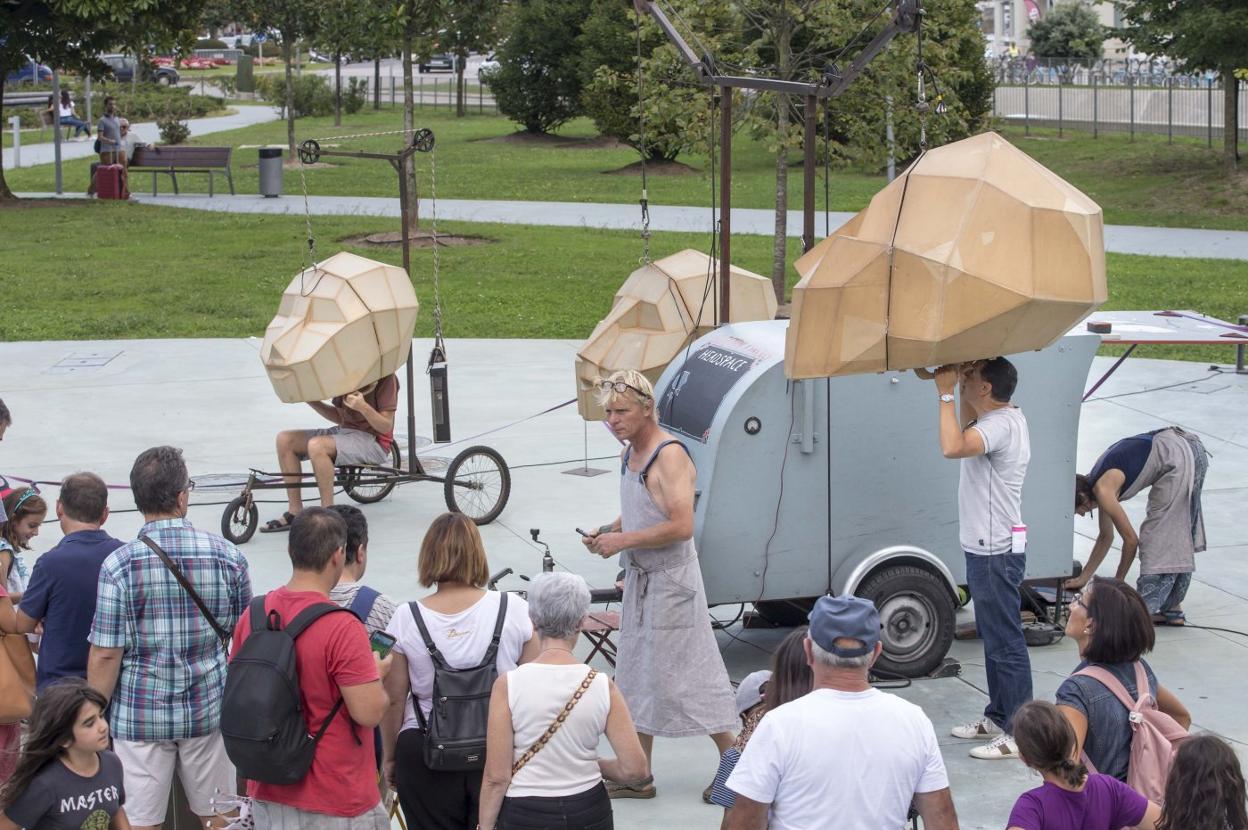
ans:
x=568 y=764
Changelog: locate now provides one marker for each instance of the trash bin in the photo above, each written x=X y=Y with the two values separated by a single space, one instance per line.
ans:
x=270 y=171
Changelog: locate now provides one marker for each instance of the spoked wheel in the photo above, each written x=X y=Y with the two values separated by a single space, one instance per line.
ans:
x=240 y=520
x=372 y=484
x=478 y=484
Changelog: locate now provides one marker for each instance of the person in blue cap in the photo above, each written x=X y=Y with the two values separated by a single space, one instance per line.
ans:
x=846 y=755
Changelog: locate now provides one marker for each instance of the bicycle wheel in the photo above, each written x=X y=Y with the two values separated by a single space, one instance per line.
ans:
x=478 y=484
x=367 y=485
x=239 y=522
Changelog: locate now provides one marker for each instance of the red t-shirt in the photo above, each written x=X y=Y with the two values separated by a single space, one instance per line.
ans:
x=384 y=398
x=331 y=653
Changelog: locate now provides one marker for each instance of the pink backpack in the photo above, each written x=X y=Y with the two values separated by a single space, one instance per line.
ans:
x=1155 y=736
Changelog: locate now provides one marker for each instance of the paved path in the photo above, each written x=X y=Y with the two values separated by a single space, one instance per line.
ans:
x=44 y=153
x=1123 y=239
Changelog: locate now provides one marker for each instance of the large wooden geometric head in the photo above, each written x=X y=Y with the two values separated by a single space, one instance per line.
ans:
x=659 y=310
x=342 y=324
x=975 y=251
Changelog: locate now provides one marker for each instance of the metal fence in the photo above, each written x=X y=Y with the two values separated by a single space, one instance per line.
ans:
x=431 y=93
x=1138 y=71
x=1171 y=109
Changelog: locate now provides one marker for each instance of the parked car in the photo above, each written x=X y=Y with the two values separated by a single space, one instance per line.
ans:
x=444 y=62
x=489 y=64
x=27 y=74
x=123 y=67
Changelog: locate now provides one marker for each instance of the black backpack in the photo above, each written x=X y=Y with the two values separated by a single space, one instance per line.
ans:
x=262 y=719
x=455 y=733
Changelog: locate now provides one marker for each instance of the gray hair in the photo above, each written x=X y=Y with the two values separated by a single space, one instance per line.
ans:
x=557 y=604
x=157 y=478
x=833 y=661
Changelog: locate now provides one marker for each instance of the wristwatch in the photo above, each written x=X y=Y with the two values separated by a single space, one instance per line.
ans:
x=946 y=398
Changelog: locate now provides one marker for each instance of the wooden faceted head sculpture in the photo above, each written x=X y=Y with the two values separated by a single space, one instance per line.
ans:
x=975 y=251
x=659 y=310
x=342 y=324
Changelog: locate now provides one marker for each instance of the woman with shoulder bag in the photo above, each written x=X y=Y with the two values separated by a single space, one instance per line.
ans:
x=460 y=617
x=542 y=767
x=1113 y=629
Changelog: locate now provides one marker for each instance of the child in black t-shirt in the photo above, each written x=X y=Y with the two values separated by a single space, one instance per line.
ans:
x=66 y=779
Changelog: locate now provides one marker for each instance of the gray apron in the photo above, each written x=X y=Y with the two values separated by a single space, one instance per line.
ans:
x=1174 y=529
x=668 y=669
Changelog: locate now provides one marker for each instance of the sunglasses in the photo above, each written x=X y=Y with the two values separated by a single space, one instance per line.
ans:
x=621 y=387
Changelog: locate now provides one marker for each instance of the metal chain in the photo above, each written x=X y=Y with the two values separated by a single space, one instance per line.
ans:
x=922 y=105
x=558 y=722
x=309 y=253
x=437 y=262
x=641 y=113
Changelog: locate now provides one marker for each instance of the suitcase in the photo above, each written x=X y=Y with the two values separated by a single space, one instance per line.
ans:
x=110 y=182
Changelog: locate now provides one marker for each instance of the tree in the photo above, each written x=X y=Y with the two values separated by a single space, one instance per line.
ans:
x=537 y=83
x=471 y=26
x=413 y=19
x=1071 y=31
x=70 y=34
x=1204 y=35
x=344 y=29
x=294 y=20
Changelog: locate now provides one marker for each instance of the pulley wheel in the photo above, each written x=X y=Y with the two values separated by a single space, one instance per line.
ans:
x=310 y=151
x=423 y=140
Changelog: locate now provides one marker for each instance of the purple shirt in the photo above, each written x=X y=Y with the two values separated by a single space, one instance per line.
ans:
x=1104 y=803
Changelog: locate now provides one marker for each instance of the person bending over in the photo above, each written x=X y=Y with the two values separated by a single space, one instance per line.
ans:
x=362 y=435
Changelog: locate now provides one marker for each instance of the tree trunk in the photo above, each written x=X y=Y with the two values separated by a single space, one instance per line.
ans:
x=1230 y=117
x=5 y=194
x=376 y=83
x=337 y=89
x=409 y=123
x=460 y=60
x=287 y=57
x=780 y=238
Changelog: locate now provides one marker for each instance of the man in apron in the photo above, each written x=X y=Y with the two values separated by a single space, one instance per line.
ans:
x=1170 y=463
x=668 y=669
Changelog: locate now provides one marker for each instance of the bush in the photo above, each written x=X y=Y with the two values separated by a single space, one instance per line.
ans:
x=355 y=95
x=173 y=130
x=538 y=83
x=150 y=102
x=313 y=94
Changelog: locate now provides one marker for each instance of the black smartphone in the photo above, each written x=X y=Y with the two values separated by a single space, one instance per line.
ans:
x=578 y=530
x=381 y=643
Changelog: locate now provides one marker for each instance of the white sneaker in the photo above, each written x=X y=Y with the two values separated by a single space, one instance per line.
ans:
x=976 y=730
x=997 y=749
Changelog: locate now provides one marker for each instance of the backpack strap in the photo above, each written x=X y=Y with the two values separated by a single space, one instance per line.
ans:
x=434 y=654
x=491 y=653
x=299 y=625
x=363 y=603
x=1107 y=679
x=439 y=661
x=217 y=628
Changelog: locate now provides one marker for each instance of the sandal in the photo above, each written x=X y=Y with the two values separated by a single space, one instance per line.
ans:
x=632 y=789
x=278 y=525
x=1174 y=618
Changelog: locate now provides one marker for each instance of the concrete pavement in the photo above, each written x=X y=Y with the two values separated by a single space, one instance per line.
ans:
x=147 y=131
x=212 y=398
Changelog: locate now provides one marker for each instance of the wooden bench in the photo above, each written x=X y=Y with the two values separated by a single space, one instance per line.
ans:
x=175 y=160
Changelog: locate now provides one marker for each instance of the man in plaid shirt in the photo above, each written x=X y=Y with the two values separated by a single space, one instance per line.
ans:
x=155 y=655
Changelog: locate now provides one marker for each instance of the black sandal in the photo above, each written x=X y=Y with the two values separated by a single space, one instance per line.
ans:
x=278 y=525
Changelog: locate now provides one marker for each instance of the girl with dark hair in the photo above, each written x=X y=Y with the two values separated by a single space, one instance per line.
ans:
x=790 y=678
x=66 y=778
x=1110 y=623
x=1205 y=790
x=25 y=510
x=1070 y=798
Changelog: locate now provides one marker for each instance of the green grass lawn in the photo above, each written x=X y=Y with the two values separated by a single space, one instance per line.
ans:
x=1145 y=182
x=139 y=272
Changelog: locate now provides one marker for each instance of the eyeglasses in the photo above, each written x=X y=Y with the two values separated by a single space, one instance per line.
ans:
x=621 y=387
x=1078 y=600
x=190 y=485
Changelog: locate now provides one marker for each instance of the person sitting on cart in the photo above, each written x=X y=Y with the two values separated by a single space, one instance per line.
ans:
x=362 y=434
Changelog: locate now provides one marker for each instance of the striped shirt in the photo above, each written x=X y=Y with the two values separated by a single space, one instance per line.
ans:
x=172 y=666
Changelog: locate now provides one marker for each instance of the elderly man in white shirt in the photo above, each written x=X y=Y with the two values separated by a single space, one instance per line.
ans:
x=846 y=755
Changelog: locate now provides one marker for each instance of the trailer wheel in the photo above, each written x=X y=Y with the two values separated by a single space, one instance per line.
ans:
x=240 y=520
x=916 y=618
x=478 y=484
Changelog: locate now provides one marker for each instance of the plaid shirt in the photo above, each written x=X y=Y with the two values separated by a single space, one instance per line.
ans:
x=172 y=666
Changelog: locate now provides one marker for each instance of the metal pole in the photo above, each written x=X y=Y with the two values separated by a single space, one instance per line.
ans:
x=56 y=128
x=401 y=164
x=16 y=121
x=1240 y=349
x=725 y=206
x=1095 y=133
x=1026 y=106
x=1170 y=110
x=808 y=175
x=1209 y=114
x=1059 y=107
x=1131 y=96
x=890 y=137
x=86 y=91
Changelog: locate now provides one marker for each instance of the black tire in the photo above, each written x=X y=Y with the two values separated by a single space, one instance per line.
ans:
x=373 y=492
x=239 y=521
x=478 y=484
x=916 y=617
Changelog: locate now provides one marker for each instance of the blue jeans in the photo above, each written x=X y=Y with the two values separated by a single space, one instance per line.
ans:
x=78 y=124
x=994 y=582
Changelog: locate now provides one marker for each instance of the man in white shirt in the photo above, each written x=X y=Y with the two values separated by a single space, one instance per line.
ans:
x=992 y=440
x=846 y=755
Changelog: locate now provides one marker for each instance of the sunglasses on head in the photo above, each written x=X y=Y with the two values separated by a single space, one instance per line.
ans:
x=621 y=387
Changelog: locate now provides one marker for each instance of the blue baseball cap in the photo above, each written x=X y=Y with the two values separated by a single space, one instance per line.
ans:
x=848 y=616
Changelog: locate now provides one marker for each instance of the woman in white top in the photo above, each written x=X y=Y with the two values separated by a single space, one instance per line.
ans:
x=461 y=616
x=536 y=778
